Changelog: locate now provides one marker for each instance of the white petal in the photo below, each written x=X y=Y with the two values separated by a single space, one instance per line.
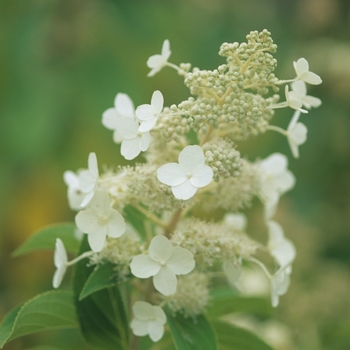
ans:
x=166 y=49
x=171 y=174
x=233 y=271
x=92 y=162
x=87 y=198
x=86 y=221
x=311 y=101
x=116 y=224
x=87 y=181
x=139 y=327
x=299 y=87
x=191 y=157
x=155 y=330
x=127 y=127
x=143 y=310
x=165 y=281
x=285 y=182
x=271 y=206
x=145 y=112
x=144 y=141
x=117 y=138
x=238 y=221
x=294 y=120
x=159 y=314
x=109 y=118
x=101 y=203
x=60 y=255
x=298 y=134
x=184 y=191
x=147 y=125
x=155 y=61
x=142 y=266
x=202 y=176
x=181 y=261
x=311 y=78
x=280 y=248
x=157 y=101
x=71 y=179
x=275 y=163
x=97 y=239
x=301 y=66
x=160 y=249
x=130 y=149
x=154 y=71
x=58 y=276
x=124 y=105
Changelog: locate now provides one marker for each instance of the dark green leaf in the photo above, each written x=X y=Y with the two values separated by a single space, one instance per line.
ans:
x=225 y=301
x=100 y=278
x=43 y=347
x=50 y=310
x=101 y=315
x=191 y=334
x=232 y=337
x=46 y=238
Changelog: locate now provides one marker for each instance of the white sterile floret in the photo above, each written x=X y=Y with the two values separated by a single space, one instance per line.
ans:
x=188 y=175
x=279 y=285
x=149 y=319
x=163 y=262
x=123 y=107
x=134 y=141
x=74 y=192
x=157 y=62
x=302 y=70
x=237 y=220
x=293 y=100
x=275 y=179
x=99 y=220
x=296 y=134
x=60 y=261
x=299 y=88
x=149 y=113
x=88 y=179
x=281 y=248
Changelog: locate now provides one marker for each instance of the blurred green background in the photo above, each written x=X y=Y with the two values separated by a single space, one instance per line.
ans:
x=63 y=61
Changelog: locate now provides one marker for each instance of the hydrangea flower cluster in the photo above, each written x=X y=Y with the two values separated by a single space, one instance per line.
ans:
x=193 y=184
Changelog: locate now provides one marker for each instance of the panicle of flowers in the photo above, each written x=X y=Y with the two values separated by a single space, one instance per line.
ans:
x=184 y=200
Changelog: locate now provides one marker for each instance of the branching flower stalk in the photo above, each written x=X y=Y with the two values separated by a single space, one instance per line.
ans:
x=191 y=169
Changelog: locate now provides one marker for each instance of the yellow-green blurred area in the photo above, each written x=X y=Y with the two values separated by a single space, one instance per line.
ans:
x=63 y=61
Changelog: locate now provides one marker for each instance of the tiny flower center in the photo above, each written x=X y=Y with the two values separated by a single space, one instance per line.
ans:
x=188 y=175
x=102 y=220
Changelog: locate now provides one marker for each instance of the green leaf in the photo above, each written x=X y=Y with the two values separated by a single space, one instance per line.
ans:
x=232 y=337
x=102 y=316
x=43 y=347
x=50 y=310
x=136 y=219
x=189 y=334
x=45 y=238
x=225 y=301
x=100 y=278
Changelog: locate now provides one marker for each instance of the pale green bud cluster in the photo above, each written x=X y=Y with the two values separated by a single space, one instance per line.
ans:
x=192 y=295
x=222 y=157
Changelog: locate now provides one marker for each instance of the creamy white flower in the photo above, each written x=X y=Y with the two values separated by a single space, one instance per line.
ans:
x=99 y=220
x=123 y=107
x=293 y=100
x=296 y=134
x=302 y=70
x=281 y=248
x=157 y=62
x=275 y=179
x=149 y=113
x=60 y=261
x=88 y=179
x=74 y=193
x=279 y=285
x=299 y=88
x=149 y=319
x=134 y=141
x=163 y=262
x=188 y=175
